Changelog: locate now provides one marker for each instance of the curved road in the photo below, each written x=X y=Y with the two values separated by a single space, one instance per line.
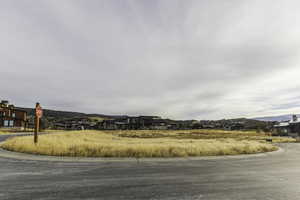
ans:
x=274 y=176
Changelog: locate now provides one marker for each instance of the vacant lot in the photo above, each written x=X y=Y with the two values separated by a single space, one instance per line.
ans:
x=145 y=143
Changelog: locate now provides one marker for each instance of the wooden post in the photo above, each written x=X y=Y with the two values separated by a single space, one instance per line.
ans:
x=37 y=124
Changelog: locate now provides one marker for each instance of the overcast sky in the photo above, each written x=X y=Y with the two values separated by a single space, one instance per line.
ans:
x=202 y=59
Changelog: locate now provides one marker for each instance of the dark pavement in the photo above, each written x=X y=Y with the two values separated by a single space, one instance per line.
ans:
x=274 y=176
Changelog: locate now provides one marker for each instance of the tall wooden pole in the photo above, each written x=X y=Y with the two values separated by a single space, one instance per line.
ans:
x=37 y=124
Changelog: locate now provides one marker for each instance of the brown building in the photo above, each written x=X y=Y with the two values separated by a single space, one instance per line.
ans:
x=11 y=117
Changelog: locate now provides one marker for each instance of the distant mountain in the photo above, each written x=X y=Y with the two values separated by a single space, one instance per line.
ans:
x=50 y=117
x=55 y=114
x=276 y=118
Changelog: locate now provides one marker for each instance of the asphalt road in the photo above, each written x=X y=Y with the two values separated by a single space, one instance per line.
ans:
x=275 y=176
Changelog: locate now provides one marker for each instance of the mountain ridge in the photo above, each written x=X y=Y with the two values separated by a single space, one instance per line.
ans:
x=278 y=118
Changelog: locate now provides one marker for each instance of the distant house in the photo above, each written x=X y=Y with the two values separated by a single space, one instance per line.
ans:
x=282 y=128
x=108 y=124
x=12 y=117
x=134 y=123
x=288 y=128
x=234 y=126
x=80 y=123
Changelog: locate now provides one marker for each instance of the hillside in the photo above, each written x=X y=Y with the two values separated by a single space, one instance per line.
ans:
x=278 y=118
x=52 y=117
x=58 y=115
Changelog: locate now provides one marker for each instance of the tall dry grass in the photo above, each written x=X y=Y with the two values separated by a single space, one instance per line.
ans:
x=200 y=134
x=134 y=144
x=9 y=130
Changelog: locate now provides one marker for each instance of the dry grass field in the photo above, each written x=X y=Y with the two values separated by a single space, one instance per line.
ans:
x=148 y=143
x=7 y=131
x=200 y=134
x=4 y=131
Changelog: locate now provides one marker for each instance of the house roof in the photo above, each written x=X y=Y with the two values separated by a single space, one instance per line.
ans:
x=297 y=122
x=282 y=124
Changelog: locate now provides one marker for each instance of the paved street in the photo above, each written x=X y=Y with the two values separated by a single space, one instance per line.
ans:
x=274 y=176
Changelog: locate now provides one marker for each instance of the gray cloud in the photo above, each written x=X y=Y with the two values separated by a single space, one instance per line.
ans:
x=179 y=59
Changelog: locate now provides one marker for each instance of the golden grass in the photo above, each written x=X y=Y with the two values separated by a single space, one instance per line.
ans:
x=3 y=132
x=201 y=134
x=9 y=130
x=142 y=143
x=99 y=119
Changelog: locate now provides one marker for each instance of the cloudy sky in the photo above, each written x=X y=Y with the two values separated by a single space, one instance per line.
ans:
x=202 y=59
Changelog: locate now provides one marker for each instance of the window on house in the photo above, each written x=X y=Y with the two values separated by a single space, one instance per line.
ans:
x=13 y=114
x=11 y=123
x=6 y=123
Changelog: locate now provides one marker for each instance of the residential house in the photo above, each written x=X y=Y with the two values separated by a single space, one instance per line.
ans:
x=80 y=123
x=288 y=128
x=134 y=123
x=12 y=117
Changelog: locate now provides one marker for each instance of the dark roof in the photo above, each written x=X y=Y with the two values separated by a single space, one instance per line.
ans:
x=149 y=117
x=20 y=109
